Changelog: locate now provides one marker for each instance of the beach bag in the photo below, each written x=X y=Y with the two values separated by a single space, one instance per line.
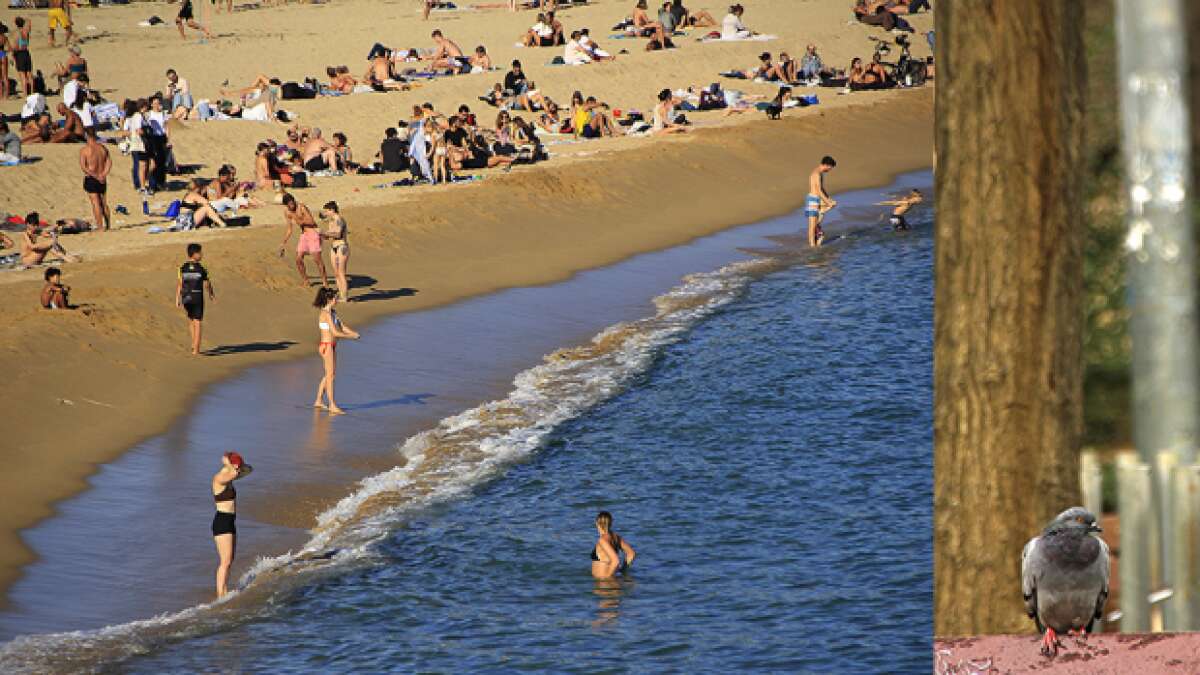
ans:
x=295 y=90
x=299 y=179
x=237 y=221
x=172 y=209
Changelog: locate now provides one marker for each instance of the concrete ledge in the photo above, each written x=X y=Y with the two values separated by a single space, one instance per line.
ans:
x=1115 y=653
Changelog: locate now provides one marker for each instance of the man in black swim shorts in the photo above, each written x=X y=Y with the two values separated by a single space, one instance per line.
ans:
x=186 y=16
x=189 y=292
x=96 y=163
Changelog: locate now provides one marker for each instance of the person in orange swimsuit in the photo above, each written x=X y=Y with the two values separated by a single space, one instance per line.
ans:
x=331 y=328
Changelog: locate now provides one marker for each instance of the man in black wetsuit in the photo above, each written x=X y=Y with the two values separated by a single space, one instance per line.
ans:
x=189 y=292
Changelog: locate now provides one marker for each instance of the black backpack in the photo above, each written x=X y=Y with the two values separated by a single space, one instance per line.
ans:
x=294 y=90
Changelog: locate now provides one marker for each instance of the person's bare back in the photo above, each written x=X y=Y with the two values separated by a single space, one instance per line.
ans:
x=95 y=161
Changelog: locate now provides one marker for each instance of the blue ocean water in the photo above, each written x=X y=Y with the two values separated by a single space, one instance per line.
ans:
x=771 y=461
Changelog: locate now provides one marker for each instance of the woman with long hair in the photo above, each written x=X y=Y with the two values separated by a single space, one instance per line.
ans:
x=606 y=554
x=224 y=529
x=339 y=248
x=332 y=328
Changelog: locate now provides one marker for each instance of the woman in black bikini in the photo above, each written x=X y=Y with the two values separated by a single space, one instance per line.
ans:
x=606 y=554
x=224 y=530
x=339 y=249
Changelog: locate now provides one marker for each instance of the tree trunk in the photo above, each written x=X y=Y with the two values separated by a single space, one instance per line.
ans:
x=1008 y=409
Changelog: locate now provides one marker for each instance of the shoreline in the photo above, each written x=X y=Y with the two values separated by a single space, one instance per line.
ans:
x=525 y=228
x=399 y=394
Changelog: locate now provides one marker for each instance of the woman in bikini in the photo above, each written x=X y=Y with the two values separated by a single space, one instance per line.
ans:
x=339 y=249
x=5 y=47
x=224 y=529
x=664 y=115
x=298 y=215
x=332 y=328
x=606 y=554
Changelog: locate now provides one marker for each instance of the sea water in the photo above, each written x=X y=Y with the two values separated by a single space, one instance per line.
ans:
x=764 y=440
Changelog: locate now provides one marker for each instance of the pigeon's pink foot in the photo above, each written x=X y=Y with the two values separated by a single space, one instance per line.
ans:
x=1080 y=636
x=1050 y=643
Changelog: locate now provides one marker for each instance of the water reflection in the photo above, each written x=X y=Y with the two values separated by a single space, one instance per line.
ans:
x=609 y=593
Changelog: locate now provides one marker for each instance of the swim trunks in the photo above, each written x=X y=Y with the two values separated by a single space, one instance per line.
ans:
x=192 y=276
x=93 y=186
x=224 y=523
x=58 y=18
x=24 y=63
x=812 y=206
x=898 y=223
x=194 y=309
x=310 y=242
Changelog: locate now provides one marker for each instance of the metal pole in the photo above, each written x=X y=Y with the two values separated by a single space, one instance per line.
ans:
x=1183 y=609
x=1153 y=61
x=1135 y=505
x=1091 y=482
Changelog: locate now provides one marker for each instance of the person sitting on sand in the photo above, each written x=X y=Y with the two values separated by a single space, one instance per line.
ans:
x=556 y=28
x=858 y=77
x=298 y=215
x=643 y=26
x=732 y=27
x=540 y=34
x=332 y=328
x=225 y=194
x=590 y=119
x=340 y=81
x=606 y=554
x=686 y=17
x=550 y=120
x=902 y=206
x=75 y=66
x=811 y=67
x=447 y=54
x=10 y=144
x=54 y=293
x=318 y=154
x=393 y=152
x=876 y=70
x=72 y=130
x=195 y=210
x=573 y=53
x=593 y=50
x=664 y=115
x=39 y=130
x=35 y=253
x=480 y=61
x=765 y=69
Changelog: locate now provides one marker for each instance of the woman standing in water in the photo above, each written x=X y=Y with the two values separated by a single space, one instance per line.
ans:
x=332 y=328
x=606 y=555
x=224 y=530
x=339 y=250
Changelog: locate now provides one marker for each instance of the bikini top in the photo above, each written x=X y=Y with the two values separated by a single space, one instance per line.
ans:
x=226 y=495
x=616 y=542
x=333 y=315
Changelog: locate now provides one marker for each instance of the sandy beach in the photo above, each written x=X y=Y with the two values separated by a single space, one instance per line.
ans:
x=83 y=386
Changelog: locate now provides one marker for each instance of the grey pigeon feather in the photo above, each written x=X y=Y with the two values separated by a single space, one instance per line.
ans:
x=1064 y=575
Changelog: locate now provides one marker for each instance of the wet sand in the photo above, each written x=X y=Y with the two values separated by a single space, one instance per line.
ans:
x=152 y=500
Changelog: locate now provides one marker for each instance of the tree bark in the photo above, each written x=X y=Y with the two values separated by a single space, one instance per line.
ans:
x=1008 y=376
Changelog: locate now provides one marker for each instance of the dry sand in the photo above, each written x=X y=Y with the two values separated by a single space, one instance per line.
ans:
x=81 y=387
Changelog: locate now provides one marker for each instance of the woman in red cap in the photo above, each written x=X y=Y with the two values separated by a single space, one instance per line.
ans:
x=224 y=531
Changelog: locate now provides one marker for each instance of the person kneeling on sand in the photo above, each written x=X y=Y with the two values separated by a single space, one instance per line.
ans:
x=54 y=293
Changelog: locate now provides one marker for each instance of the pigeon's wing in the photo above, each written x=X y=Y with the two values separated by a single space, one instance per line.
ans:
x=1030 y=562
x=1102 y=562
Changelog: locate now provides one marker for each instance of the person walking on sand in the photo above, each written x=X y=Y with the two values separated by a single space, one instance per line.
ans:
x=903 y=204
x=59 y=14
x=298 y=215
x=224 y=528
x=606 y=554
x=339 y=247
x=96 y=163
x=818 y=203
x=331 y=328
x=189 y=292
x=187 y=16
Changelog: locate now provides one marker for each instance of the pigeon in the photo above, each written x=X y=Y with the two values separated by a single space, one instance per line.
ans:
x=1064 y=577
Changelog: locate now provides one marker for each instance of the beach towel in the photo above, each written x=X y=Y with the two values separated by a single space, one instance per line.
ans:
x=752 y=38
